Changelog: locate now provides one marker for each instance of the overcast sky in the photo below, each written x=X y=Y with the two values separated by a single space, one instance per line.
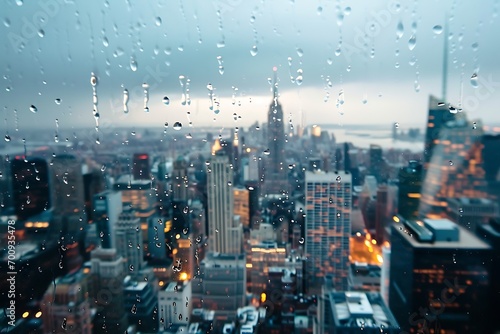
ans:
x=51 y=47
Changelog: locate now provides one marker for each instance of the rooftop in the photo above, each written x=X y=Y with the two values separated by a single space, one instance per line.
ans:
x=465 y=240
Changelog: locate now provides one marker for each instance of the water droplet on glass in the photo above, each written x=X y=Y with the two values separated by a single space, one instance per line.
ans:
x=338 y=178
x=412 y=42
x=450 y=162
x=254 y=50
x=399 y=30
x=64 y=324
x=41 y=33
x=7 y=138
x=267 y=152
x=437 y=29
x=474 y=80
x=57 y=101
x=158 y=21
x=396 y=125
x=131 y=268
x=301 y=240
x=133 y=64
x=33 y=109
x=300 y=53
x=177 y=126
x=319 y=10
x=134 y=309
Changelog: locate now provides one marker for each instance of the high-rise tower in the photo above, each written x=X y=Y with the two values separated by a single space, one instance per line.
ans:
x=328 y=227
x=225 y=233
x=275 y=176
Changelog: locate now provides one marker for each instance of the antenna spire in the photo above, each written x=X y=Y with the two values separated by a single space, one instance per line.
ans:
x=445 y=61
x=275 y=82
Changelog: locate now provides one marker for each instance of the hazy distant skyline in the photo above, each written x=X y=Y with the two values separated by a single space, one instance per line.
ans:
x=80 y=38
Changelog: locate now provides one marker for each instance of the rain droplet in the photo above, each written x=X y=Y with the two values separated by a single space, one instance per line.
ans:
x=131 y=268
x=254 y=50
x=33 y=109
x=103 y=168
x=301 y=240
x=399 y=30
x=437 y=29
x=57 y=101
x=177 y=126
x=166 y=100
x=338 y=179
x=7 y=138
x=133 y=64
x=158 y=21
x=450 y=162
x=41 y=33
x=396 y=125
x=267 y=152
x=412 y=42
x=134 y=309
x=474 y=80
x=300 y=53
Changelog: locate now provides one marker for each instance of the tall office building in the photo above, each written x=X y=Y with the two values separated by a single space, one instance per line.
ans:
x=410 y=184
x=438 y=116
x=69 y=201
x=180 y=180
x=275 y=173
x=328 y=227
x=225 y=234
x=129 y=241
x=184 y=260
x=377 y=163
x=140 y=167
x=221 y=284
x=455 y=169
x=107 y=209
x=66 y=305
x=31 y=187
x=108 y=274
x=242 y=205
x=175 y=304
x=491 y=234
x=440 y=278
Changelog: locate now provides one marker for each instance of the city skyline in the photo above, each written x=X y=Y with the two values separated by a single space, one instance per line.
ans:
x=353 y=76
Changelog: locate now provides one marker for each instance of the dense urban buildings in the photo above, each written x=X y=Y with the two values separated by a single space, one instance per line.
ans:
x=178 y=192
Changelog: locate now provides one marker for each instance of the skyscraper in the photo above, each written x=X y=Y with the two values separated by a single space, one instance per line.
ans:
x=377 y=163
x=108 y=275
x=140 y=168
x=128 y=238
x=31 y=190
x=275 y=173
x=328 y=227
x=225 y=235
x=69 y=201
x=180 y=180
x=440 y=278
x=439 y=114
x=107 y=209
x=410 y=183
x=66 y=305
x=455 y=169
